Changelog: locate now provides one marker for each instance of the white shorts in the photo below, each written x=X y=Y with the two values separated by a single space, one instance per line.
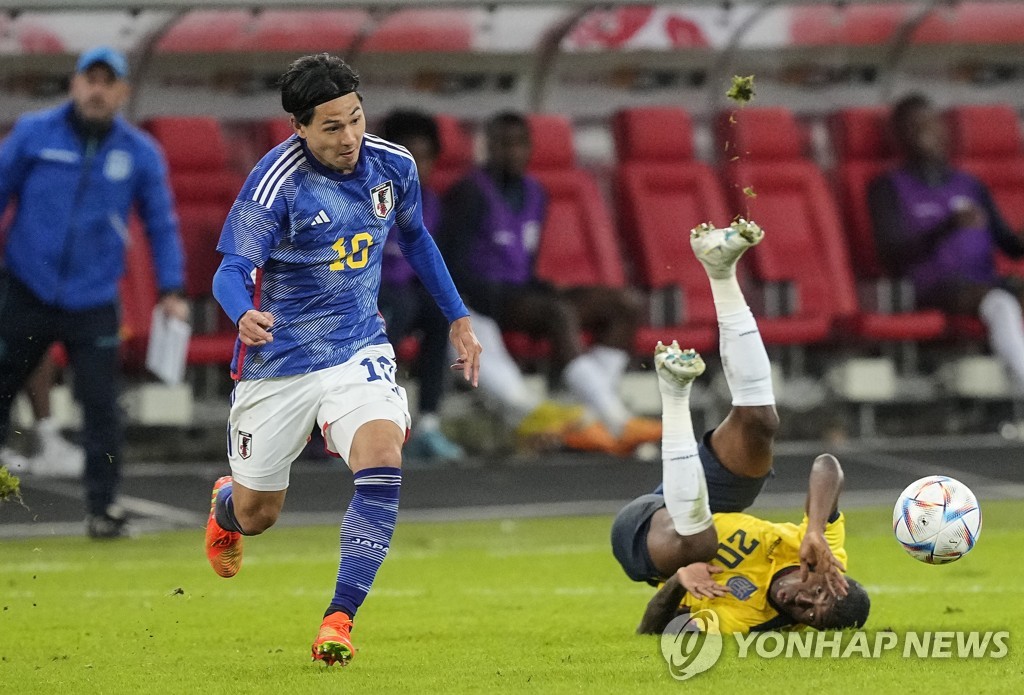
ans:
x=271 y=419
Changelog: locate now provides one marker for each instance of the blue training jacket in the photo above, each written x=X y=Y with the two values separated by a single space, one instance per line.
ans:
x=67 y=239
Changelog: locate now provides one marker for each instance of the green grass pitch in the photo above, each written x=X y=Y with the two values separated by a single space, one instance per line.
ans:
x=482 y=607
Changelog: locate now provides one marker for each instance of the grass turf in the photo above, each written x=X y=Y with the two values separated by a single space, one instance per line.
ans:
x=530 y=606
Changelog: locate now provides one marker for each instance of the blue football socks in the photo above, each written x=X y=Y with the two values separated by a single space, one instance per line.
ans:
x=366 y=534
x=224 y=511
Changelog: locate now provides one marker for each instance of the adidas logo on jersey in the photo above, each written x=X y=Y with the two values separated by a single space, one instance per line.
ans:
x=321 y=218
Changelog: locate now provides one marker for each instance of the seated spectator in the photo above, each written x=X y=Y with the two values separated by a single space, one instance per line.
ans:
x=489 y=237
x=938 y=227
x=406 y=305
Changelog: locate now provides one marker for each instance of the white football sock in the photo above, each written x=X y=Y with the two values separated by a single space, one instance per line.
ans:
x=501 y=381
x=585 y=377
x=682 y=474
x=727 y=294
x=744 y=359
x=1001 y=313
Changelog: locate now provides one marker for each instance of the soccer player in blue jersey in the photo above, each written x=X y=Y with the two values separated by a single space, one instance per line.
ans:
x=302 y=250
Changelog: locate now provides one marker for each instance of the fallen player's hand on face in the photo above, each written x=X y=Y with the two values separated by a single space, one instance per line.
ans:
x=468 y=349
x=697 y=579
x=816 y=558
x=254 y=328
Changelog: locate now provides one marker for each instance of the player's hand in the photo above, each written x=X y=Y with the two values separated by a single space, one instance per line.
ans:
x=254 y=328
x=697 y=579
x=468 y=349
x=176 y=306
x=816 y=557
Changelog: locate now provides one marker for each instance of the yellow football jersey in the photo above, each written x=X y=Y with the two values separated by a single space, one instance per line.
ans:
x=750 y=552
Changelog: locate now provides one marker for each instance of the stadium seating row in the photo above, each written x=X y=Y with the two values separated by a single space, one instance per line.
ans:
x=817 y=272
x=453 y=30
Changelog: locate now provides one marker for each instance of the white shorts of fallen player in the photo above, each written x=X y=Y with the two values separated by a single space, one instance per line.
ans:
x=271 y=419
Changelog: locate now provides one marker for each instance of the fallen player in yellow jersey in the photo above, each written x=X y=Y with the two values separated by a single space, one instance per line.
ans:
x=761 y=577
x=691 y=533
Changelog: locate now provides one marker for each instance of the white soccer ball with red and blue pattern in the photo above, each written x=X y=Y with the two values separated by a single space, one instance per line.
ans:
x=937 y=520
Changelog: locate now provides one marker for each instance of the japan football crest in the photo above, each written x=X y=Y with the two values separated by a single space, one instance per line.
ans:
x=383 y=199
x=244 y=444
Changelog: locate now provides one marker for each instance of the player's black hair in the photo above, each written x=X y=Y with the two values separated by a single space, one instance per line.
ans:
x=505 y=119
x=905 y=108
x=851 y=610
x=404 y=125
x=313 y=80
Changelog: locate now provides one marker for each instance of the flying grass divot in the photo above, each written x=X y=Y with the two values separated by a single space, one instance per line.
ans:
x=10 y=485
x=742 y=89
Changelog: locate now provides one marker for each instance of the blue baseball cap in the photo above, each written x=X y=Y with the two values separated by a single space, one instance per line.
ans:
x=110 y=57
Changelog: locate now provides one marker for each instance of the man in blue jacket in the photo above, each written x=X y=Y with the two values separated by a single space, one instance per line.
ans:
x=73 y=173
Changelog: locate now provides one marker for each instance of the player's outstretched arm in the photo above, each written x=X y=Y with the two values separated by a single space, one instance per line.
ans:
x=823 y=489
x=468 y=349
x=696 y=579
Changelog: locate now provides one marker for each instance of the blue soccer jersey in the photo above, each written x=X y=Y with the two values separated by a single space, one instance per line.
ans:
x=315 y=239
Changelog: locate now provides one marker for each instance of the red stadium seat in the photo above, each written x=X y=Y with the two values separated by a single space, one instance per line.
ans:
x=578 y=245
x=204 y=188
x=303 y=31
x=294 y=31
x=988 y=144
x=456 y=156
x=435 y=30
x=962 y=23
x=197 y=156
x=190 y=142
x=201 y=225
x=864 y=150
x=205 y=31
x=138 y=297
x=662 y=192
x=804 y=253
x=852 y=26
x=973 y=23
x=277 y=131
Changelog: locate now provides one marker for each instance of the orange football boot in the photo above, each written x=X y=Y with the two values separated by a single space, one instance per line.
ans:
x=223 y=548
x=334 y=643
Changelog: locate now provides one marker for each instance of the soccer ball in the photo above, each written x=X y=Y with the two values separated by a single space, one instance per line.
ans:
x=937 y=520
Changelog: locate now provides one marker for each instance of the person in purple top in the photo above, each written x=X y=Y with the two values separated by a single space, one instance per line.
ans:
x=405 y=304
x=489 y=237
x=938 y=226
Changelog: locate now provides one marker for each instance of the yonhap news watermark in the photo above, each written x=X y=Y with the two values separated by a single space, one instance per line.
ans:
x=692 y=644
